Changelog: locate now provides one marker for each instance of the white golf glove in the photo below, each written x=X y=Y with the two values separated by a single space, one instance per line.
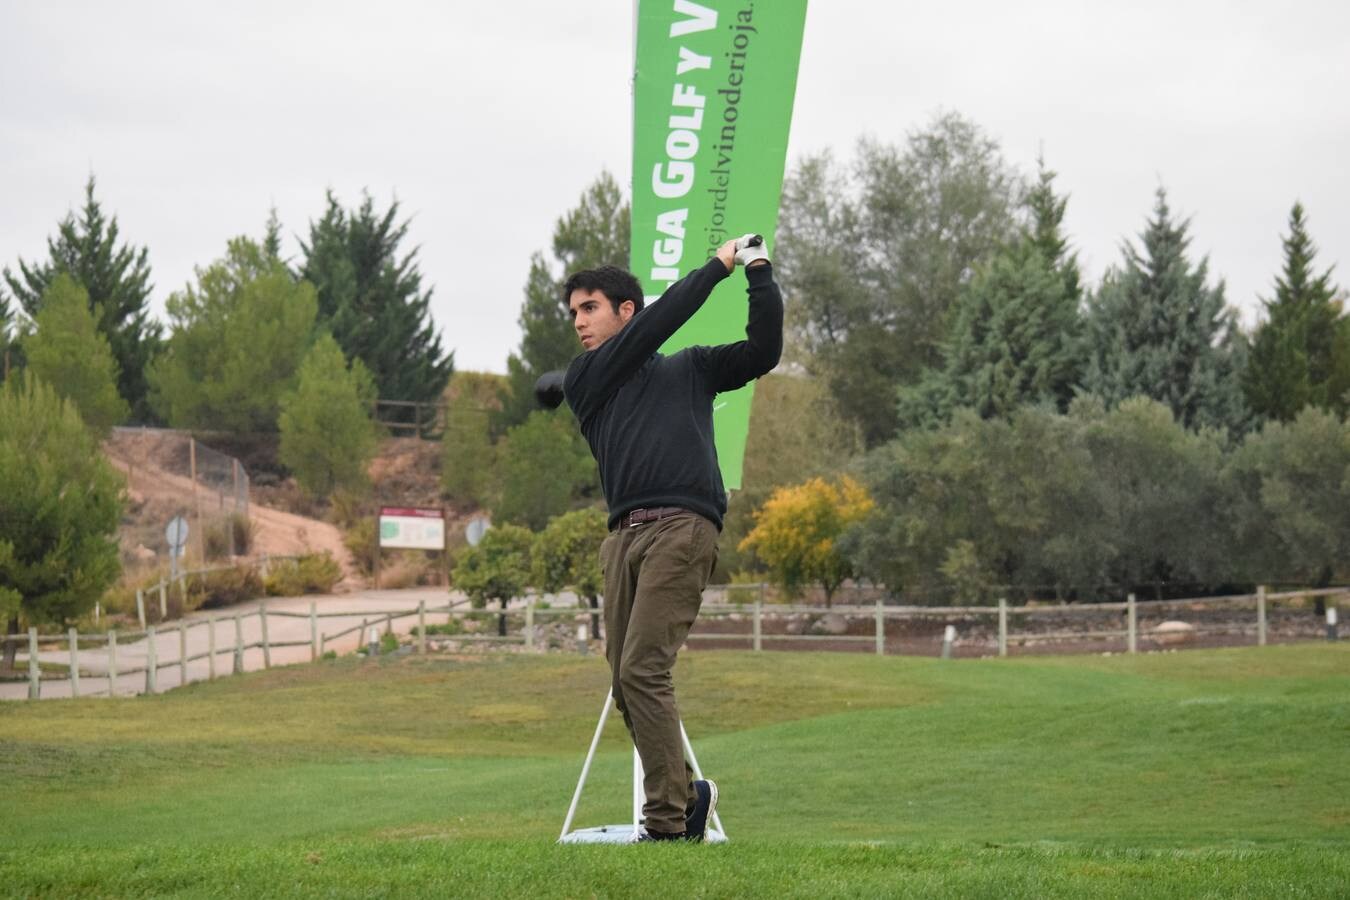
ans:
x=749 y=248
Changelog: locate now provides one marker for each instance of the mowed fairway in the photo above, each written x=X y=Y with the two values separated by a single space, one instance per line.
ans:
x=1203 y=773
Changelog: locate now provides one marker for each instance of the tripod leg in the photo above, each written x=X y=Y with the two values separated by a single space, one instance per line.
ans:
x=586 y=767
x=639 y=795
x=698 y=773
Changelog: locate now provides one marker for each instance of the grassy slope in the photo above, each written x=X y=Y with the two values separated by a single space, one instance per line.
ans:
x=1203 y=772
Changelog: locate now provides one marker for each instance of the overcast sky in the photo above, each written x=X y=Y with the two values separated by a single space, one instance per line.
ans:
x=487 y=120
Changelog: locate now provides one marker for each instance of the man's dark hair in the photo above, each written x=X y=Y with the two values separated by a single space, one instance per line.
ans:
x=615 y=283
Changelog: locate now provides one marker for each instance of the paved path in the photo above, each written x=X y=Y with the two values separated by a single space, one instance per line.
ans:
x=280 y=629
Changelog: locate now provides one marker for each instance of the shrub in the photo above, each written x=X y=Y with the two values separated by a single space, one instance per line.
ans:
x=388 y=642
x=744 y=587
x=312 y=574
x=360 y=539
x=232 y=534
x=225 y=587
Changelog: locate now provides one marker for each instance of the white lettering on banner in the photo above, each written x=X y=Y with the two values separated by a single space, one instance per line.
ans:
x=687 y=95
x=700 y=18
x=672 y=222
x=689 y=60
x=694 y=120
x=679 y=179
x=681 y=144
x=675 y=177
x=667 y=252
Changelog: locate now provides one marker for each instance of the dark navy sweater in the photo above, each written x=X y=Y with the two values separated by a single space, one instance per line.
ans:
x=648 y=417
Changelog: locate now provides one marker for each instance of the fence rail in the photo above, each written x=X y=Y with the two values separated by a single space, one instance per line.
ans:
x=526 y=619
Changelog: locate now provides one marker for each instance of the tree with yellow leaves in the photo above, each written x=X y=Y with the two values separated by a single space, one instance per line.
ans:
x=797 y=531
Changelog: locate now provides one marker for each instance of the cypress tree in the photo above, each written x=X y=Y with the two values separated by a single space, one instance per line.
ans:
x=372 y=301
x=1294 y=357
x=1157 y=329
x=117 y=278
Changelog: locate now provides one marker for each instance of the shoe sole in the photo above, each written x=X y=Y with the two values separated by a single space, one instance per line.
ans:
x=712 y=808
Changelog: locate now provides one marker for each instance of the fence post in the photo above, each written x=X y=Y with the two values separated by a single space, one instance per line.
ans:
x=140 y=607
x=163 y=600
x=182 y=654
x=1261 y=615
x=881 y=630
x=361 y=635
x=313 y=630
x=73 y=638
x=210 y=648
x=267 y=646
x=759 y=626
x=112 y=664
x=1132 y=625
x=529 y=623
x=238 y=645
x=150 y=662
x=34 y=667
x=1002 y=626
x=422 y=627
x=948 y=639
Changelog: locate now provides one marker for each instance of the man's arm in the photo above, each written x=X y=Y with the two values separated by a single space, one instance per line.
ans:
x=598 y=373
x=730 y=366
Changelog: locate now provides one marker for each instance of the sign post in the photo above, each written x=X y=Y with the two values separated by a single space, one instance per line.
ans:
x=176 y=533
x=411 y=528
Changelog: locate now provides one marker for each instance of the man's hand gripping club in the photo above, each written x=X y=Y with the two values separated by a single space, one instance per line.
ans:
x=746 y=250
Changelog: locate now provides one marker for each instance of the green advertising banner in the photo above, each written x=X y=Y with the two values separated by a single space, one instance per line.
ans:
x=712 y=100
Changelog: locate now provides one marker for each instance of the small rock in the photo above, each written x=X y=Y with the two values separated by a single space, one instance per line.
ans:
x=831 y=623
x=1174 y=632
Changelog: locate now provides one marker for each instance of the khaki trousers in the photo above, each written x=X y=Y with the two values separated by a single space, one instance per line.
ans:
x=655 y=574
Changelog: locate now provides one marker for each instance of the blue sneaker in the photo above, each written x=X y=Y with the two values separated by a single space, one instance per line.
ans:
x=705 y=804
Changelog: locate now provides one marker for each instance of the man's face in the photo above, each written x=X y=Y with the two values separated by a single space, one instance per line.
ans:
x=594 y=318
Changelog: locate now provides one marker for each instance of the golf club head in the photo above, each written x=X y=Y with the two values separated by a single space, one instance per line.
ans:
x=548 y=390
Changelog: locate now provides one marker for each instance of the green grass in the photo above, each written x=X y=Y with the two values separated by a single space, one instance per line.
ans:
x=1205 y=773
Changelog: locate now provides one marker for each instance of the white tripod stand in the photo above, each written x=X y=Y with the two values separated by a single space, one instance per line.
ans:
x=626 y=833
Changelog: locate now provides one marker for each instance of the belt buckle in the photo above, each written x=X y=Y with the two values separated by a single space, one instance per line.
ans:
x=633 y=522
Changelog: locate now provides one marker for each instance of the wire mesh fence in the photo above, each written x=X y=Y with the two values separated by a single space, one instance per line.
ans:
x=171 y=474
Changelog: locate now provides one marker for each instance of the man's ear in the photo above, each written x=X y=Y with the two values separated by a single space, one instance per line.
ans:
x=627 y=309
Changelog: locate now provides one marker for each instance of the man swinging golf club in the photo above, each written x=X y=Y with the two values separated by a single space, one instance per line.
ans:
x=648 y=419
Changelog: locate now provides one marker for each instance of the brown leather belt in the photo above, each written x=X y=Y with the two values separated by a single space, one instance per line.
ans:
x=640 y=516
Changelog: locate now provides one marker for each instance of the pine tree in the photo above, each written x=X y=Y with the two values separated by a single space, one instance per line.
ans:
x=118 y=281
x=68 y=352
x=1294 y=357
x=7 y=360
x=594 y=233
x=372 y=301
x=1157 y=329
x=60 y=505
x=327 y=438
x=1016 y=331
x=239 y=337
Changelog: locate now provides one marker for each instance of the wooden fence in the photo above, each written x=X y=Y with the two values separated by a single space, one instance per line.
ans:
x=751 y=620
x=1252 y=609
